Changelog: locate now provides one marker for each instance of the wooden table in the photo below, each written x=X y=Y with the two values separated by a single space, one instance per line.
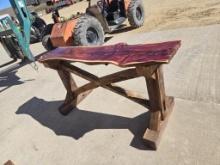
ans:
x=139 y=60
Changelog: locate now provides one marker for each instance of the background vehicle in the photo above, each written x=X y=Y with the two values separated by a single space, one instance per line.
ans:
x=90 y=27
x=33 y=2
x=58 y=4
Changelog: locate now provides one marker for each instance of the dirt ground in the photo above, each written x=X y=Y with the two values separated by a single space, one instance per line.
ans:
x=170 y=14
x=167 y=14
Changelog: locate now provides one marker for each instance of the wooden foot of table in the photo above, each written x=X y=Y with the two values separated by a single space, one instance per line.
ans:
x=151 y=137
x=66 y=108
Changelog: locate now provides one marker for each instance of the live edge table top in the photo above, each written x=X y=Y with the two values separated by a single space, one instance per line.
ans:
x=121 y=54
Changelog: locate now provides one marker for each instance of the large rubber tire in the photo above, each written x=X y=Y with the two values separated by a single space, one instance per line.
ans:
x=39 y=24
x=35 y=35
x=136 y=14
x=88 y=32
x=46 y=42
x=12 y=48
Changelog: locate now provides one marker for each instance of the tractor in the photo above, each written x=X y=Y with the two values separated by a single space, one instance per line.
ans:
x=89 y=28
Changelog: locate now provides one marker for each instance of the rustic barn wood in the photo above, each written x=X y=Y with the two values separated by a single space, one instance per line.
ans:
x=139 y=60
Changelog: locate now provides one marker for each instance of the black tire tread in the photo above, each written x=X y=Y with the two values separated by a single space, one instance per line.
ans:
x=45 y=35
x=78 y=31
x=47 y=43
x=131 y=8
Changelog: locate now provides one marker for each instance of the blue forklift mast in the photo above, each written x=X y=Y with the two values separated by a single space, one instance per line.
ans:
x=16 y=38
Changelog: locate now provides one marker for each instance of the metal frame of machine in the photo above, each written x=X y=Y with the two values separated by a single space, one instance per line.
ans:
x=15 y=34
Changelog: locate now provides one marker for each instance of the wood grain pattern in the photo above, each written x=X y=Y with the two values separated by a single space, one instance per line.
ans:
x=122 y=55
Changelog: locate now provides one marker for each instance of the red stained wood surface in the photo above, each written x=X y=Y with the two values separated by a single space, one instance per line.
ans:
x=121 y=54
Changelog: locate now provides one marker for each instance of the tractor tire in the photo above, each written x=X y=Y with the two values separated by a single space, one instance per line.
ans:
x=39 y=24
x=88 y=32
x=136 y=14
x=46 y=42
x=35 y=35
x=12 y=47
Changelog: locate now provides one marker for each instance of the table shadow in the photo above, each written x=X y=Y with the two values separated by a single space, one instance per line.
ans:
x=79 y=122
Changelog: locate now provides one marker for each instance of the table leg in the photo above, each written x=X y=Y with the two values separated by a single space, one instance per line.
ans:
x=70 y=86
x=72 y=99
x=160 y=108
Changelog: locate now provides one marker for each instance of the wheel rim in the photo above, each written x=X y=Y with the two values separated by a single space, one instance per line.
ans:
x=92 y=36
x=139 y=13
